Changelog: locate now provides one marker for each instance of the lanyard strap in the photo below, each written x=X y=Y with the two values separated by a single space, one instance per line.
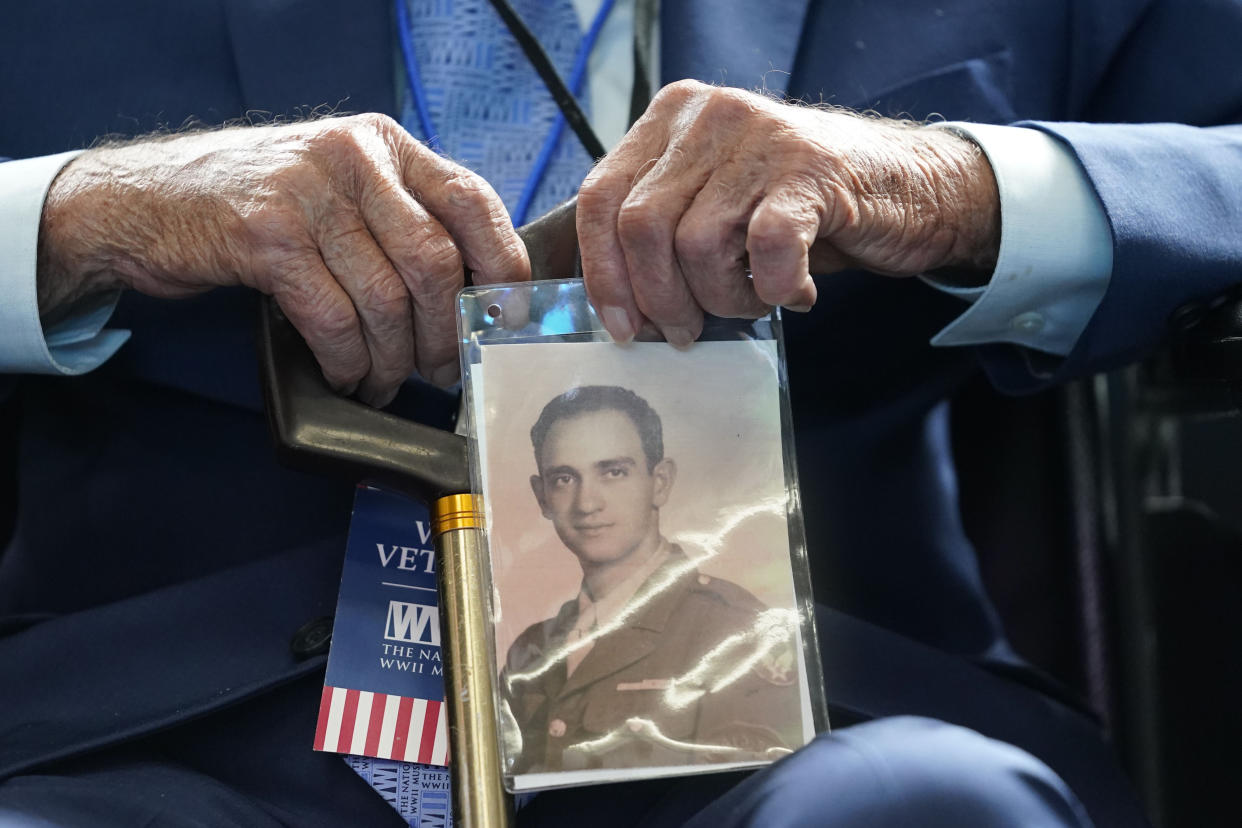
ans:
x=644 y=26
x=415 y=78
x=570 y=111
x=554 y=136
x=538 y=58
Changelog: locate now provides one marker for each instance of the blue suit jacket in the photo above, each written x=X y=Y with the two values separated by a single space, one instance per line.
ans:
x=158 y=542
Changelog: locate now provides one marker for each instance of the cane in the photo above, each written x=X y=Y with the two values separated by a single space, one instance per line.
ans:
x=317 y=430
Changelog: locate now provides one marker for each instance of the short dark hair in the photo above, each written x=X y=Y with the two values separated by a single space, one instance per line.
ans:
x=587 y=399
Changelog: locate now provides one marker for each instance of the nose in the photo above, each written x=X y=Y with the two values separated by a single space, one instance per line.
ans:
x=589 y=498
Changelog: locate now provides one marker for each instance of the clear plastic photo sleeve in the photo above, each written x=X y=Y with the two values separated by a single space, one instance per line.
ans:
x=651 y=602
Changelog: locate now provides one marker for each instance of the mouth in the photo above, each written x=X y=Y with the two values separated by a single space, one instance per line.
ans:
x=592 y=529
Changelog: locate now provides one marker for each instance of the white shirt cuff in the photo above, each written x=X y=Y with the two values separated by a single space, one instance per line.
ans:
x=1056 y=248
x=75 y=344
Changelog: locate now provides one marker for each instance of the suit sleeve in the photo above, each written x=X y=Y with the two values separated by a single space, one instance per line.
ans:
x=1160 y=142
x=75 y=344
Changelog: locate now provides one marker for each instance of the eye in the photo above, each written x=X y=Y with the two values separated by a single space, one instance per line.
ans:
x=616 y=472
x=560 y=481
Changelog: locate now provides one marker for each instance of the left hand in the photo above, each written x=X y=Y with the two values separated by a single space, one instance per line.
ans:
x=357 y=230
x=724 y=201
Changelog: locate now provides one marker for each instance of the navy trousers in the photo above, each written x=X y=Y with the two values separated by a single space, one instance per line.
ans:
x=148 y=678
x=93 y=755
x=230 y=771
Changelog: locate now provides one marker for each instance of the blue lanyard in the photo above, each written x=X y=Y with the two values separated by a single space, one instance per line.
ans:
x=419 y=93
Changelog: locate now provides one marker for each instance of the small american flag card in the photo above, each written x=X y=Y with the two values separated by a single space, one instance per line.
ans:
x=383 y=696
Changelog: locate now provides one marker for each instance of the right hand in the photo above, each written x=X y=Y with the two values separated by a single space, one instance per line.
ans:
x=359 y=232
x=726 y=202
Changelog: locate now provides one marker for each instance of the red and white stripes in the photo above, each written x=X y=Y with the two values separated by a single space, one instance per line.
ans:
x=382 y=726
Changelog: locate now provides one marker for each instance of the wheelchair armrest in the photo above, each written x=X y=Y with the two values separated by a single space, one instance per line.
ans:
x=1209 y=346
x=1199 y=372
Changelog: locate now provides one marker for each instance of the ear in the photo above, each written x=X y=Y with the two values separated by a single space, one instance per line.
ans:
x=536 y=486
x=664 y=474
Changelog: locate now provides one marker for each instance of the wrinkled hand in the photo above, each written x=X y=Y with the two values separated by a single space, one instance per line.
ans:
x=358 y=231
x=713 y=184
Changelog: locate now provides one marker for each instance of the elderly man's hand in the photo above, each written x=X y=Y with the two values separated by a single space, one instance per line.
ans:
x=358 y=231
x=714 y=184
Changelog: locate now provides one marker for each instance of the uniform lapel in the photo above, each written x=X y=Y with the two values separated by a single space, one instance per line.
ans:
x=641 y=635
x=610 y=654
x=295 y=55
x=735 y=42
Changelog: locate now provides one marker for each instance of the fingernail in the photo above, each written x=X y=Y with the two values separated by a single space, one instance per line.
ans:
x=445 y=375
x=798 y=308
x=384 y=400
x=617 y=321
x=679 y=337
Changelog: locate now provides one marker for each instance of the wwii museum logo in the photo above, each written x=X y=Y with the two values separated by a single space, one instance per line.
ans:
x=413 y=623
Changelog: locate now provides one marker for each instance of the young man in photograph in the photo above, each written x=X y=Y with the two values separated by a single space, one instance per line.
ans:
x=652 y=663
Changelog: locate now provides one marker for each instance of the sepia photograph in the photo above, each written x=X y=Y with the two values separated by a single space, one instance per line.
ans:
x=637 y=512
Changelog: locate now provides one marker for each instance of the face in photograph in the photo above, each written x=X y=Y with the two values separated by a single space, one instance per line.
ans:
x=600 y=487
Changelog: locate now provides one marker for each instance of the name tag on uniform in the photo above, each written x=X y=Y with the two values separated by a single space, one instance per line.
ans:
x=645 y=684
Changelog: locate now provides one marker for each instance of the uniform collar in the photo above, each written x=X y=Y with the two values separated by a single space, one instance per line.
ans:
x=634 y=633
x=616 y=607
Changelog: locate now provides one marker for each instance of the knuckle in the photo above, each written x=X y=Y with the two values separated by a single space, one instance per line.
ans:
x=327 y=320
x=327 y=312
x=340 y=228
x=385 y=295
x=723 y=101
x=380 y=198
x=601 y=190
x=342 y=354
x=815 y=163
x=334 y=320
x=440 y=272
x=737 y=108
x=374 y=122
x=341 y=137
x=678 y=92
x=469 y=193
x=772 y=232
x=353 y=146
x=697 y=242
x=442 y=259
x=512 y=252
x=640 y=222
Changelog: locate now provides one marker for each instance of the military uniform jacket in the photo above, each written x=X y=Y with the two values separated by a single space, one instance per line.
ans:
x=696 y=670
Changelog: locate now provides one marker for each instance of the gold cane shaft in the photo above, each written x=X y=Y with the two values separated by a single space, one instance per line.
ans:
x=479 y=798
